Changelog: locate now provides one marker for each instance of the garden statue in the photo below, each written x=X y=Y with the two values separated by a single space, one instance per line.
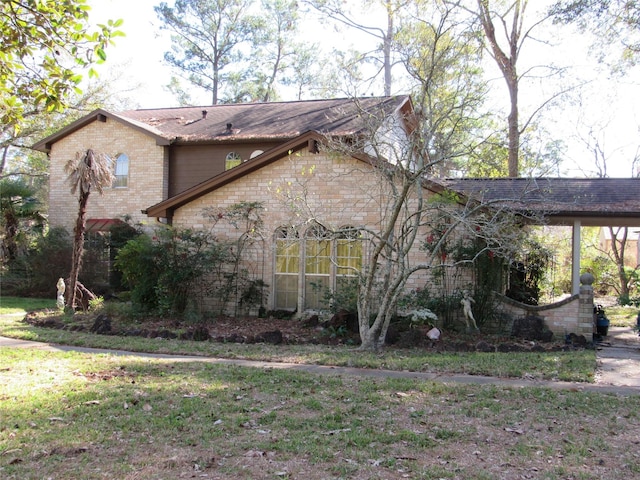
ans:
x=468 y=314
x=61 y=288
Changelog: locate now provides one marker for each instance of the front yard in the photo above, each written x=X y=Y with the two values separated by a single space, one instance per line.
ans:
x=75 y=415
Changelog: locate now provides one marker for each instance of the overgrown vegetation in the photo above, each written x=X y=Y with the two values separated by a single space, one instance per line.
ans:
x=192 y=272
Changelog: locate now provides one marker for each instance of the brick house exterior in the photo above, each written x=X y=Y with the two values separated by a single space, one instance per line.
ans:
x=176 y=163
x=177 y=167
x=148 y=173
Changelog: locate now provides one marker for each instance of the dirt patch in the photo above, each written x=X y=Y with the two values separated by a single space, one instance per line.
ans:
x=289 y=331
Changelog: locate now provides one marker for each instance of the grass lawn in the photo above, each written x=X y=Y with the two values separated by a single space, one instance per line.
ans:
x=73 y=415
x=622 y=316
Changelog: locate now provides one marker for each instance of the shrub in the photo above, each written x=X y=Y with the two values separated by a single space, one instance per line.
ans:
x=168 y=272
x=37 y=272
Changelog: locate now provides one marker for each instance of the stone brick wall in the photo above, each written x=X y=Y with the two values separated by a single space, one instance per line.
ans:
x=148 y=172
x=571 y=315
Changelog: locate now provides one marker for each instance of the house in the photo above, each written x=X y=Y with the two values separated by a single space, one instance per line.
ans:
x=178 y=166
x=173 y=164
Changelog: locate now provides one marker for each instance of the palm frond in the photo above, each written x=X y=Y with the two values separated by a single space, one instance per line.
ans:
x=89 y=169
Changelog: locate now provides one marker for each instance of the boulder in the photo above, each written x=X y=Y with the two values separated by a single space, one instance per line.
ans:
x=531 y=327
x=101 y=325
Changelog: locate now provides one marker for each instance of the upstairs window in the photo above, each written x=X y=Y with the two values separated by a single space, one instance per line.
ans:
x=122 y=171
x=233 y=160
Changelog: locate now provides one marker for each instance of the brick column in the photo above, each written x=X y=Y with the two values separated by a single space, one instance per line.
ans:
x=586 y=323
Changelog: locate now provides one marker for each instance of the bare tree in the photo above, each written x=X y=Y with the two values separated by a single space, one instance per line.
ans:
x=626 y=277
x=382 y=54
x=506 y=32
x=86 y=171
x=594 y=142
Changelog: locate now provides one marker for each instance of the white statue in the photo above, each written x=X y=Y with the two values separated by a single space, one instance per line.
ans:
x=61 y=288
x=468 y=314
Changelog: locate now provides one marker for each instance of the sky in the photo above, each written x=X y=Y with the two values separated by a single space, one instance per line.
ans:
x=610 y=106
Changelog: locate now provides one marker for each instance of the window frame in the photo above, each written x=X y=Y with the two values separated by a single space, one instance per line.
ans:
x=286 y=269
x=319 y=264
x=232 y=160
x=121 y=180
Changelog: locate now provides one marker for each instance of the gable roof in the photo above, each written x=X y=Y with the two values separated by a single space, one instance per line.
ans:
x=99 y=115
x=225 y=123
x=594 y=201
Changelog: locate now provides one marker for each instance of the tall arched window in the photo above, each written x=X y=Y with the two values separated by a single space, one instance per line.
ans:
x=324 y=262
x=287 y=269
x=233 y=160
x=317 y=271
x=348 y=258
x=121 y=171
x=348 y=252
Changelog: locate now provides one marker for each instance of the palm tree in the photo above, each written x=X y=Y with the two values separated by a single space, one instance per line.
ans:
x=88 y=170
x=20 y=210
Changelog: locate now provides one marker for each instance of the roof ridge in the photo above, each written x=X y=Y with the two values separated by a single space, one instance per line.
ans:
x=249 y=104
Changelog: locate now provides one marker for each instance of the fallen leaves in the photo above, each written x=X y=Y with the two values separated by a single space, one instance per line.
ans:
x=517 y=431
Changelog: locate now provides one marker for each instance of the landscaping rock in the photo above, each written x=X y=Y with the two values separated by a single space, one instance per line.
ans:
x=201 y=334
x=410 y=338
x=511 y=347
x=274 y=338
x=483 y=346
x=393 y=335
x=344 y=319
x=531 y=328
x=311 y=322
x=576 y=340
x=101 y=325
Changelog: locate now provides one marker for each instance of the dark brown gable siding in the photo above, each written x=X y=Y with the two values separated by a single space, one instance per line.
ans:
x=190 y=165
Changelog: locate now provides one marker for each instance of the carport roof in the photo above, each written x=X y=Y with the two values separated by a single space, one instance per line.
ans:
x=593 y=201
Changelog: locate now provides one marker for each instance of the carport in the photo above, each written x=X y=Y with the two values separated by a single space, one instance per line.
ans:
x=573 y=202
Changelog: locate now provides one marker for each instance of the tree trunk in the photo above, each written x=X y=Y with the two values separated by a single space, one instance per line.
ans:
x=514 y=129
x=618 y=246
x=388 y=39
x=507 y=65
x=78 y=249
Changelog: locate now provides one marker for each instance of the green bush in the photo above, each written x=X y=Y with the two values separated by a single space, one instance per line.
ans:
x=170 y=271
x=137 y=262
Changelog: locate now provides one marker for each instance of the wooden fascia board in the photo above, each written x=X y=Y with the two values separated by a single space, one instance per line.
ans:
x=595 y=219
x=99 y=115
x=165 y=208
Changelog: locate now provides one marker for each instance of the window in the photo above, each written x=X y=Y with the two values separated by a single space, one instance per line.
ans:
x=317 y=266
x=328 y=262
x=122 y=171
x=233 y=160
x=348 y=253
x=287 y=269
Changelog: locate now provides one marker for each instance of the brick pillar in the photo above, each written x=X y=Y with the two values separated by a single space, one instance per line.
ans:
x=586 y=322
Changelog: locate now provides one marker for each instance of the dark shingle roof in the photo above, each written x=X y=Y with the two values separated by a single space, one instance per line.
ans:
x=604 y=198
x=275 y=120
x=281 y=121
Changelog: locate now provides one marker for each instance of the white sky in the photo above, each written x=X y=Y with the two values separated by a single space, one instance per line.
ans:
x=612 y=104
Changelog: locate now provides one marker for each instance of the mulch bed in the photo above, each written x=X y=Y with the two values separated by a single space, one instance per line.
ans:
x=279 y=331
